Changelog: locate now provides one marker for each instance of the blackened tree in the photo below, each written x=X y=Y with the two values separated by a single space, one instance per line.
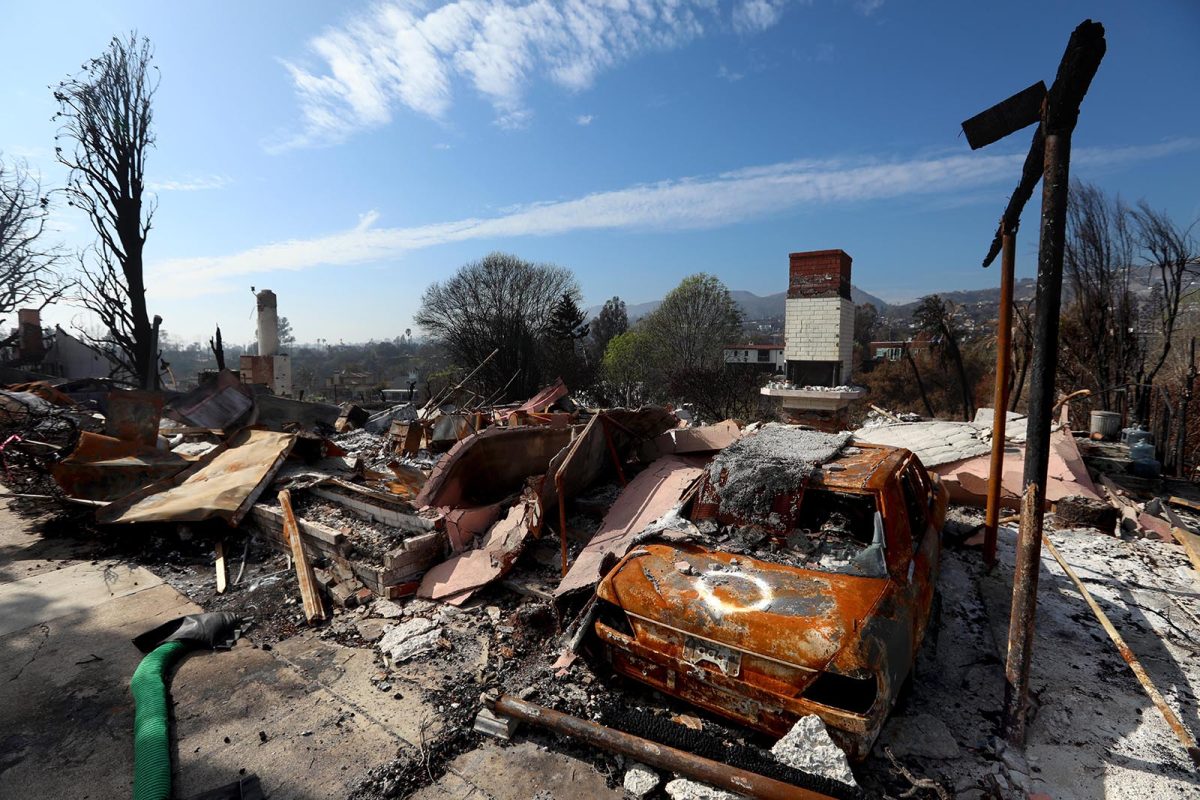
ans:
x=106 y=117
x=938 y=318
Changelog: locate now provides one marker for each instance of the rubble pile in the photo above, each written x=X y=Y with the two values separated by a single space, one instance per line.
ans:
x=611 y=564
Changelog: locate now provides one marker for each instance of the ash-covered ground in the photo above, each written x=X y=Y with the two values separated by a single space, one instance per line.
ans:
x=1093 y=732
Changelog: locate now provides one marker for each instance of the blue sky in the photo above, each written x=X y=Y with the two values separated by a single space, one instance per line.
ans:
x=346 y=155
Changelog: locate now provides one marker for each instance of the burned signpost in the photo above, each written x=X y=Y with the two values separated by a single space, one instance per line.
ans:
x=1052 y=147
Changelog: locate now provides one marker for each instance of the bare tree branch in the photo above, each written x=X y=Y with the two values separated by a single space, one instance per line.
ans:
x=29 y=275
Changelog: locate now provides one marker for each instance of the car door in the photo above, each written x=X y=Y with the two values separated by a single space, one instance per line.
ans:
x=917 y=489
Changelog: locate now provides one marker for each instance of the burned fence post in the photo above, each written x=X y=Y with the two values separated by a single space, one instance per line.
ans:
x=1059 y=115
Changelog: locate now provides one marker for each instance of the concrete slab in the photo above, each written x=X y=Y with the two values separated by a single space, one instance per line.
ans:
x=66 y=715
x=57 y=593
x=519 y=772
x=312 y=743
x=346 y=673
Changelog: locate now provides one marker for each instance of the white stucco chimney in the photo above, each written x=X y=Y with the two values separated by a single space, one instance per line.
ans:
x=268 y=324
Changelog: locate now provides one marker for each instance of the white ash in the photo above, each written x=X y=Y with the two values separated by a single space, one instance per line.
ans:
x=774 y=460
x=387 y=609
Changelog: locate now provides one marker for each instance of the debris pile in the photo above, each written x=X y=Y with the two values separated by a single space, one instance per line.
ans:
x=738 y=593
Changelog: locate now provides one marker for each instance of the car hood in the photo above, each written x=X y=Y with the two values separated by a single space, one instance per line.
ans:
x=798 y=616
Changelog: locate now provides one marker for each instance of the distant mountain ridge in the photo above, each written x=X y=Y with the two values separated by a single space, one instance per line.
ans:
x=980 y=305
x=753 y=306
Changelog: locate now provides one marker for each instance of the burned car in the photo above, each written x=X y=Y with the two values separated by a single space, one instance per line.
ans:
x=803 y=588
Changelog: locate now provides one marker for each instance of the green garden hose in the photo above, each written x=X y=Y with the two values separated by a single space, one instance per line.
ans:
x=151 y=718
x=151 y=742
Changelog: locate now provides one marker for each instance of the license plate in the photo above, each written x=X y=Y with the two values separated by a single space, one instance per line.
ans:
x=698 y=651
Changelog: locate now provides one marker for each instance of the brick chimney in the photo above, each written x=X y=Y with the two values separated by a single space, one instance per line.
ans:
x=819 y=321
x=29 y=323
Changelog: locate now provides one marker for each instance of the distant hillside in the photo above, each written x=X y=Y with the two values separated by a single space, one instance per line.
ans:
x=979 y=305
x=753 y=306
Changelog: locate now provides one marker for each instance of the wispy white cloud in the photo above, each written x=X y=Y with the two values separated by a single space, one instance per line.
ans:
x=823 y=53
x=585 y=119
x=414 y=54
x=726 y=74
x=199 y=184
x=868 y=7
x=755 y=16
x=674 y=205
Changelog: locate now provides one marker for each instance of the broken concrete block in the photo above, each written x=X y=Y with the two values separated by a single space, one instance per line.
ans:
x=684 y=789
x=920 y=735
x=808 y=748
x=372 y=630
x=387 y=609
x=409 y=639
x=487 y=722
x=363 y=596
x=640 y=780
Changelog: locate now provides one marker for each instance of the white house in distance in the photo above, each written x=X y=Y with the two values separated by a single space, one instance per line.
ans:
x=766 y=357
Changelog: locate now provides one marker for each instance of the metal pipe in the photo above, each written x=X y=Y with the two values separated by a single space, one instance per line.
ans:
x=612 y=450
x=1183 y=734
x=1055 y=182
x=713 y=773
x=562 y=518
x=1000 y=401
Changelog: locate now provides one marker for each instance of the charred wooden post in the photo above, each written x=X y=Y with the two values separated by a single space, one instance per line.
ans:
x=1059 y=116
x=1000 y=402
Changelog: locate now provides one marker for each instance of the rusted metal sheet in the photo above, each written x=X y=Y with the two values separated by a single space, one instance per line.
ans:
x=655 y=491
x=133 y=415
x=490 y=465
x=221 y=405
x=456 y=578
x=103 y=468
x=764 y=637
x=542 y=401
x=224 y=484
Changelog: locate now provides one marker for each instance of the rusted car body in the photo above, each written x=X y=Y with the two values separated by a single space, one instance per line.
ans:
x=823 y=613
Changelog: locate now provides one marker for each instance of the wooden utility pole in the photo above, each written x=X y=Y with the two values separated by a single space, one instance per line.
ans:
x=1049 y=158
